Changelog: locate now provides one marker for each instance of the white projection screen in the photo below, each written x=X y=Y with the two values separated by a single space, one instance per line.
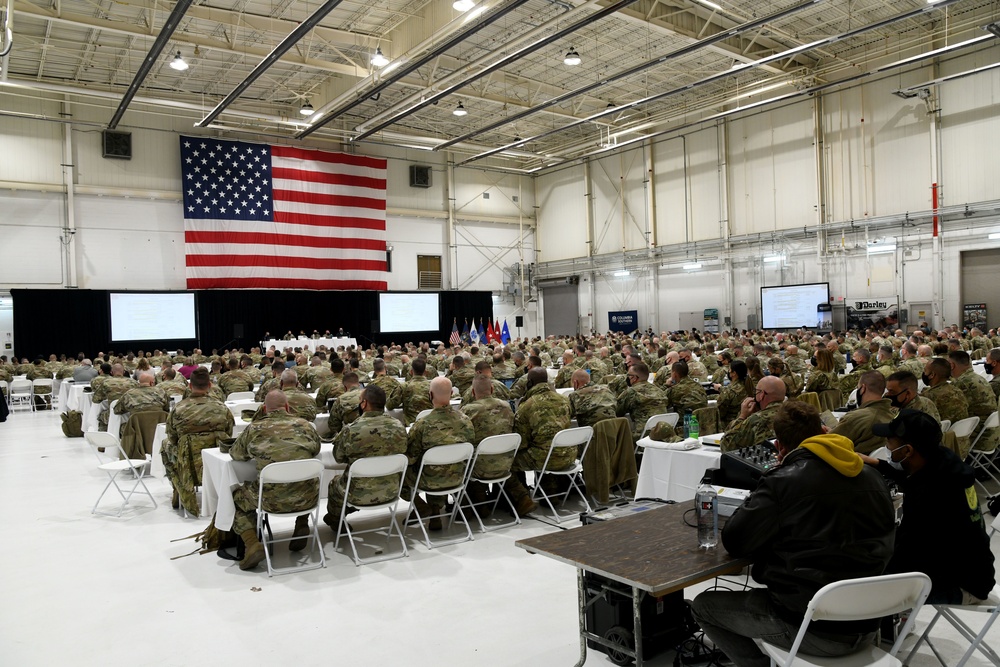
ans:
x=408 y=312
x=155 y=316
x=793 y=306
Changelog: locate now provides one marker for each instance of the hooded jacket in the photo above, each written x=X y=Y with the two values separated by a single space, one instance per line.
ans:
x=819 y=517
x=943 y=533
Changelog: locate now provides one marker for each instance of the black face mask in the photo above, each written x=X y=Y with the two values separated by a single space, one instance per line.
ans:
x=991 y=368
x=926 y=378
x=812 y=361
x=895 y=400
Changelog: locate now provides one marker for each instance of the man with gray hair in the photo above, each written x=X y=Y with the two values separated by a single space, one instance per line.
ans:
x=144 y=398
x=85 y=372
x=300 y=403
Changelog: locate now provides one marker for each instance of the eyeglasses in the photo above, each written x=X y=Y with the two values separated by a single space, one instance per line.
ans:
x=631 y=375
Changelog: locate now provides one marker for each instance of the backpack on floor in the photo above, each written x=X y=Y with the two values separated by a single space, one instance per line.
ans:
x=72 y=424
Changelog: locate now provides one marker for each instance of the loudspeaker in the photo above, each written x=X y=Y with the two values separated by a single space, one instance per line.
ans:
x=374 y=328
x=420 y=176
x=116 y=144
x=237 y=331
x=518 y=321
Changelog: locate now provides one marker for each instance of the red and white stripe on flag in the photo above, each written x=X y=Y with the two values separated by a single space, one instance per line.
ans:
x=280 y=217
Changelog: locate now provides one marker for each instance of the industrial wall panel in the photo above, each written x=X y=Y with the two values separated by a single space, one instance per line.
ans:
x=562 y=215
x=29 y=233
x=686 y=181
x=621 y=216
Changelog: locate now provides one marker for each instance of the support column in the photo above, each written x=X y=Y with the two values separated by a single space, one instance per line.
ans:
x=68 y=235
x=452 y=246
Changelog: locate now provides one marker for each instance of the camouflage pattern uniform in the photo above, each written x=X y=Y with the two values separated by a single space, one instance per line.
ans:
x=344 y=410
x=416 y=398
x=924 y=405
x=619 y=384
x=729 y=402
x=821 y=381
x=640 y=401
x=565 y=374
x=719 y=374
x=175 y=387
x=269 y=385
x=913 y=365
x=995 y=386
x=234 y=381
x=982 y=402
x=301 y=404
x=462 y=378
x=332 y=387
x=541 y=415
x=213 y=391
x=520 y=386
x=748 y=432
x=108 y=392
x=278 y=436
x=371 y=434
x=685 y=395
x=839 y=362
x=949 y=400
x=499 y=391
x=142 y=399
x=443 y=426
x=196 y=423
x=592 y=403
x=856 y=425
x=316 y=376
x=393 y=390
x=697 y=371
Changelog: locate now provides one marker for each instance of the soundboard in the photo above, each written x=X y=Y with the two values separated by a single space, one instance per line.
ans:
x=743 y=468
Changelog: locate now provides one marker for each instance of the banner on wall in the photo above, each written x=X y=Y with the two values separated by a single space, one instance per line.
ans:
x=877 y=312
x=712 y=320
x=623 y=320
x=975 y=315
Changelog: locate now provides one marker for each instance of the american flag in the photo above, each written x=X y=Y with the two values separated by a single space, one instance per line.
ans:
x=266 y=217
x=455 y=339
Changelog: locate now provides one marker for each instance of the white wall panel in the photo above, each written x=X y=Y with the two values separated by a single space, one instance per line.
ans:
x=562 y=214
x=689 y=292
x=686 y=181
x=487 y=193
x=37 y=145
x=621 y=216
x=29 y=234
x=772 y=170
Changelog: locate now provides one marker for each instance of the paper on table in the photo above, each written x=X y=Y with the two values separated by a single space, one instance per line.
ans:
x=711 y=440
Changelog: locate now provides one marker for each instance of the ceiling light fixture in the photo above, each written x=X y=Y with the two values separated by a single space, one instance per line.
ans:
x=622 y=274
x=307 y=110
x=572 y=58
x=718 y=8
x=379 y=60
x=995 y=236
x=463 y=5
x=876 y=248
x=460 y=110
x=993 y=28
x=178 y=63
x=773 y=259
x=692 y=267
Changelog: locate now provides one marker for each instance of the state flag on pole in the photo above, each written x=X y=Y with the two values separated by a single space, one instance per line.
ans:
x=455 y=338
x=465 y=331
x=505 y=333
x=496 y=329
x=281 y=217
x=474 y=333
x=490 y=333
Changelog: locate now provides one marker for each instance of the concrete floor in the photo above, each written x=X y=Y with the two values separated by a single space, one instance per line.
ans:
x=88 y=590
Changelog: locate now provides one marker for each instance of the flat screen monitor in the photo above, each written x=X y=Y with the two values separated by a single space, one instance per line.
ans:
x=794 y=306
x=408 y=312
x=153 y=316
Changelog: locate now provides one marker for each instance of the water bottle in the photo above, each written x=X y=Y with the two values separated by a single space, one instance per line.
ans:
x=725 y=380
x=687 y=422
x=706 y=503
x=693 y=427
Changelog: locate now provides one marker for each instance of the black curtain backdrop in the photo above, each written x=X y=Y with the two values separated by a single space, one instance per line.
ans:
x=70 y=321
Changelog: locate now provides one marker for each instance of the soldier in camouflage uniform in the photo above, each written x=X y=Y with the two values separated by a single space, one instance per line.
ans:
x=346 y=408
x=393 y=390
x=992 y=365
x=278 y=436
x=901 y=390
x=683 y=393
x=731 y=396
x=756 y=414
x=110 y=391
x=300 y=403
x=697 y=371
x=590 y=403
x=884 y=363
x=144 y=398
x=856 y=425
x=484 y=369
x=489 y=416
x=374 y=433
x=317 y=374
x=541 y=414
x=982 y=402
x=333 y=386
x=443 y=426
x=416 y=394
x=234 y=379
x=520 y=386
x=569 y=364
x=949 y=400
x=461 y=374
x=641 y=400
x=849 y=382
x=172 y=383
x=910 y=362
x=197 y=423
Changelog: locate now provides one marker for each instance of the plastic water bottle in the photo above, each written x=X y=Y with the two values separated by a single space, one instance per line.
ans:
x=687 y=423
x=693 y=427
x=706 y=502
x=725 y=380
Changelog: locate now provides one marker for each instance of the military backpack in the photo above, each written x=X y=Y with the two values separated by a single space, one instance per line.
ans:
x=72 y=424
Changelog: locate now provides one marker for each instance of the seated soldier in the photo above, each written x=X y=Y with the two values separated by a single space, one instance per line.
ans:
x=416 y=394
x=489 y=416
x=856 y=425
x=683 y=393
x=278 y=436
x=590 y=403
x=346 y=408
x=901 y=390
x=640 y=400
x=144 y=398
x=485 y=369
x=756 y=413
x=942 y=533
x=374 y=433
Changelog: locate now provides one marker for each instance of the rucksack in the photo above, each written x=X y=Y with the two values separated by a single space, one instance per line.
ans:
x=72 y=424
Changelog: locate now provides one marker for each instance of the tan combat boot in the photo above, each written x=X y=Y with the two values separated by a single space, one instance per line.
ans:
x=254 y=552
x=301 y=534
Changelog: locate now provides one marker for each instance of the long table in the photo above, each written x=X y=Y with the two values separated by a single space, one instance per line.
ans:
x=672 y=474
x=311 y=343
x=652 y=552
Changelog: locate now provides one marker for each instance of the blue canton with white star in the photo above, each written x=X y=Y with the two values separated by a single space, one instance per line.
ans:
x=226 y=180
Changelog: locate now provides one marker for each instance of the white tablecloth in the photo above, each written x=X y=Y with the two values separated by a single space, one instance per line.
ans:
x=114 y=420
x=553 y=372
x=221 y=474
x=311 y=343
x=91 y=411
x=672 y=474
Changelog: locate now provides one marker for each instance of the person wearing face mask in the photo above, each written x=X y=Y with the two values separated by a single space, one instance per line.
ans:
x=992 y=365
x=949 y=400
x=901 y=390
x=753 y=425
x=872 y=409
x=975 y=388
x=822 y=376
x=731 y=396
x=641 y=399
x=942 y=533
x=724 y=359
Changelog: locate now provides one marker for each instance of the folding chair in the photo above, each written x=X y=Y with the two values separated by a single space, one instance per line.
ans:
x=947 y=612
x=288 y=472
x=113 y=462
x=42 y=382
x=422 y=414
x=578 y=439
x=240 y=408
x=963 y=430
x=240 y=396
x=443 y=455
x=667 y=417
x=20 y=393
x=982 y=459
x=945 y=425
x=496 y=446
x=855 y=600
x=371 y=468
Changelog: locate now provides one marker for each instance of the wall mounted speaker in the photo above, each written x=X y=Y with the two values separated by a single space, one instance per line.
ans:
x=420 y=176
x=518 y=321
x=117 y=145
